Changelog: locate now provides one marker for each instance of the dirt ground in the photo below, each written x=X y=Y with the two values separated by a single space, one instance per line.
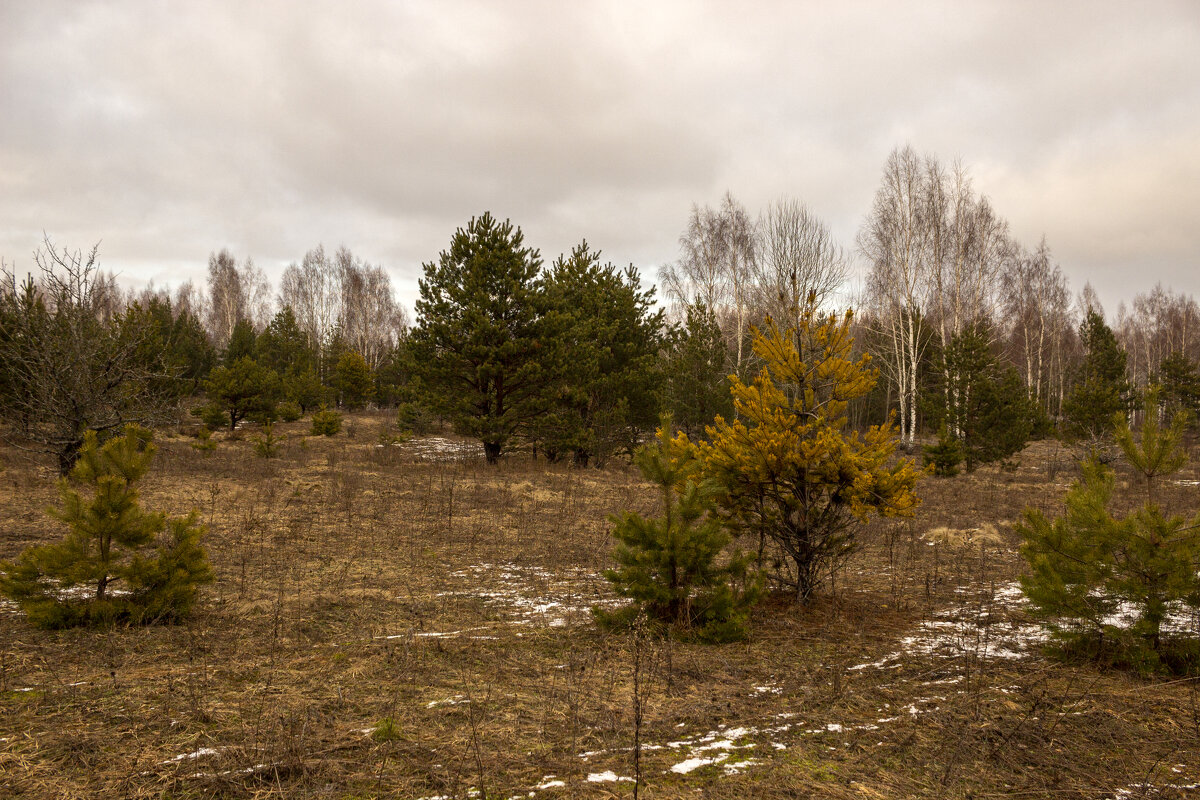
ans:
x=403 y=621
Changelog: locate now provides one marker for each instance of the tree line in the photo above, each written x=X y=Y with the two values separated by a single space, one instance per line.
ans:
x=978 y=338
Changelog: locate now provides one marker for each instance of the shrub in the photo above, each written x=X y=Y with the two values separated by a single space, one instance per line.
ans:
x=212 y=415
x=414 y=419
x=204 y=442
x=945 y=456
x=267 y=445
x=289 y=411
x=326 y=422
x=117 y=562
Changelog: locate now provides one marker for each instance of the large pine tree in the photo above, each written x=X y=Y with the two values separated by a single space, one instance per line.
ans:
x=477 y=344
x=603 y=336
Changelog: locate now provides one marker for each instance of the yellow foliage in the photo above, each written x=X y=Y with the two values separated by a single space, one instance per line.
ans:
x=788 y=467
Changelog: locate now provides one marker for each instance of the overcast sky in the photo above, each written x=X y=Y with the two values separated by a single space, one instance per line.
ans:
x=167 y=130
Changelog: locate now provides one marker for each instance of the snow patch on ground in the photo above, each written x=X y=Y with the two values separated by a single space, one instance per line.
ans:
x=608 y=776
x=439 y=448
x=203 y=752
x=531 y=595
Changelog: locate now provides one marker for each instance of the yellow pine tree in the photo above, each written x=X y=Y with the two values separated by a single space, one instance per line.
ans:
x=788 y=469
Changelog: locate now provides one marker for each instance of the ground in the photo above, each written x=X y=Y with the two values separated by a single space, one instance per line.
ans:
x=403 y=621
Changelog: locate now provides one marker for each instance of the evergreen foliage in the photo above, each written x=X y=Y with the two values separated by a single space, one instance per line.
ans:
x=1180 y=385
x=118 y=562
x=289 y=411
x=304 y=389
x=696 y=386
x=672 y=566
x=414 y=419
x=1104 y=585
x=267 y=444
x=283 y=347
x=478 y=342
x=600 y=358
x=352 y=380
x=244 y=390
x=787 y=468
x=946 y=456
x=243 y=342
x=980 y=400
x=1101 y=387
x=326 y=422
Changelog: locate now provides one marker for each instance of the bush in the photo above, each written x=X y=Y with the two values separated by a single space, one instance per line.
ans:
x=289 y=411
x=117 y=562
x=669 y=566
x=204 y=442
x=945 y=456
x=326 y=422
x=213 y=416
x=267 y=445
x=414 y=419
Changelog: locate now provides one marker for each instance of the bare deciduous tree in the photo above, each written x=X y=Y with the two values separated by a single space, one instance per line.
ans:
x=235 y=293
x=797 y=258
x=72 y=361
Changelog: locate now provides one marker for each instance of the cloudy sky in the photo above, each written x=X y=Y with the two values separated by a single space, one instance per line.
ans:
x=167 y=130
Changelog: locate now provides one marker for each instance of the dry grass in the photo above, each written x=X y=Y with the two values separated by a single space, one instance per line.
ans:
x=360 y=584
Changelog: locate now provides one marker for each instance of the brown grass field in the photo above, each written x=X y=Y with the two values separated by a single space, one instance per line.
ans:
x=402 y=622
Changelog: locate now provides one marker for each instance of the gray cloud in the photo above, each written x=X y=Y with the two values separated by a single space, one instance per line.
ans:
x=170 y=130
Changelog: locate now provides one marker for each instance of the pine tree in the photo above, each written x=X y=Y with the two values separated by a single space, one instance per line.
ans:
x=352 y=380
x=980 y=401
x=787 y=468
x=244 y=390
x=1090 y=570
x=672 y=566
x=1101 y=387
x=118 y=561
x=600 y=358
x=477 y=344
x=1180 y=385
x=696 y=373
x=243 y=342
x=283 y=347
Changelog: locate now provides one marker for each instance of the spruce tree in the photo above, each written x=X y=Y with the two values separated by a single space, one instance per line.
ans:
x=477 y=345
x=243 y=342
x=118 y=562
x=980 y=401
x=675 y=568
x=1180 y=385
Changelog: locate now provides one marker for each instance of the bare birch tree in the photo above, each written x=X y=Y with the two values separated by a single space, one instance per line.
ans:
x=895 y=242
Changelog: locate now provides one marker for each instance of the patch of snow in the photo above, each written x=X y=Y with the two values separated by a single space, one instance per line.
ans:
x=608 y=776
x=203 y=752
x=684 y=767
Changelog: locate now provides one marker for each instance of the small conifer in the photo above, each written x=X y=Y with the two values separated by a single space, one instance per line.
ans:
x=672 y=566
x=118 y=561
